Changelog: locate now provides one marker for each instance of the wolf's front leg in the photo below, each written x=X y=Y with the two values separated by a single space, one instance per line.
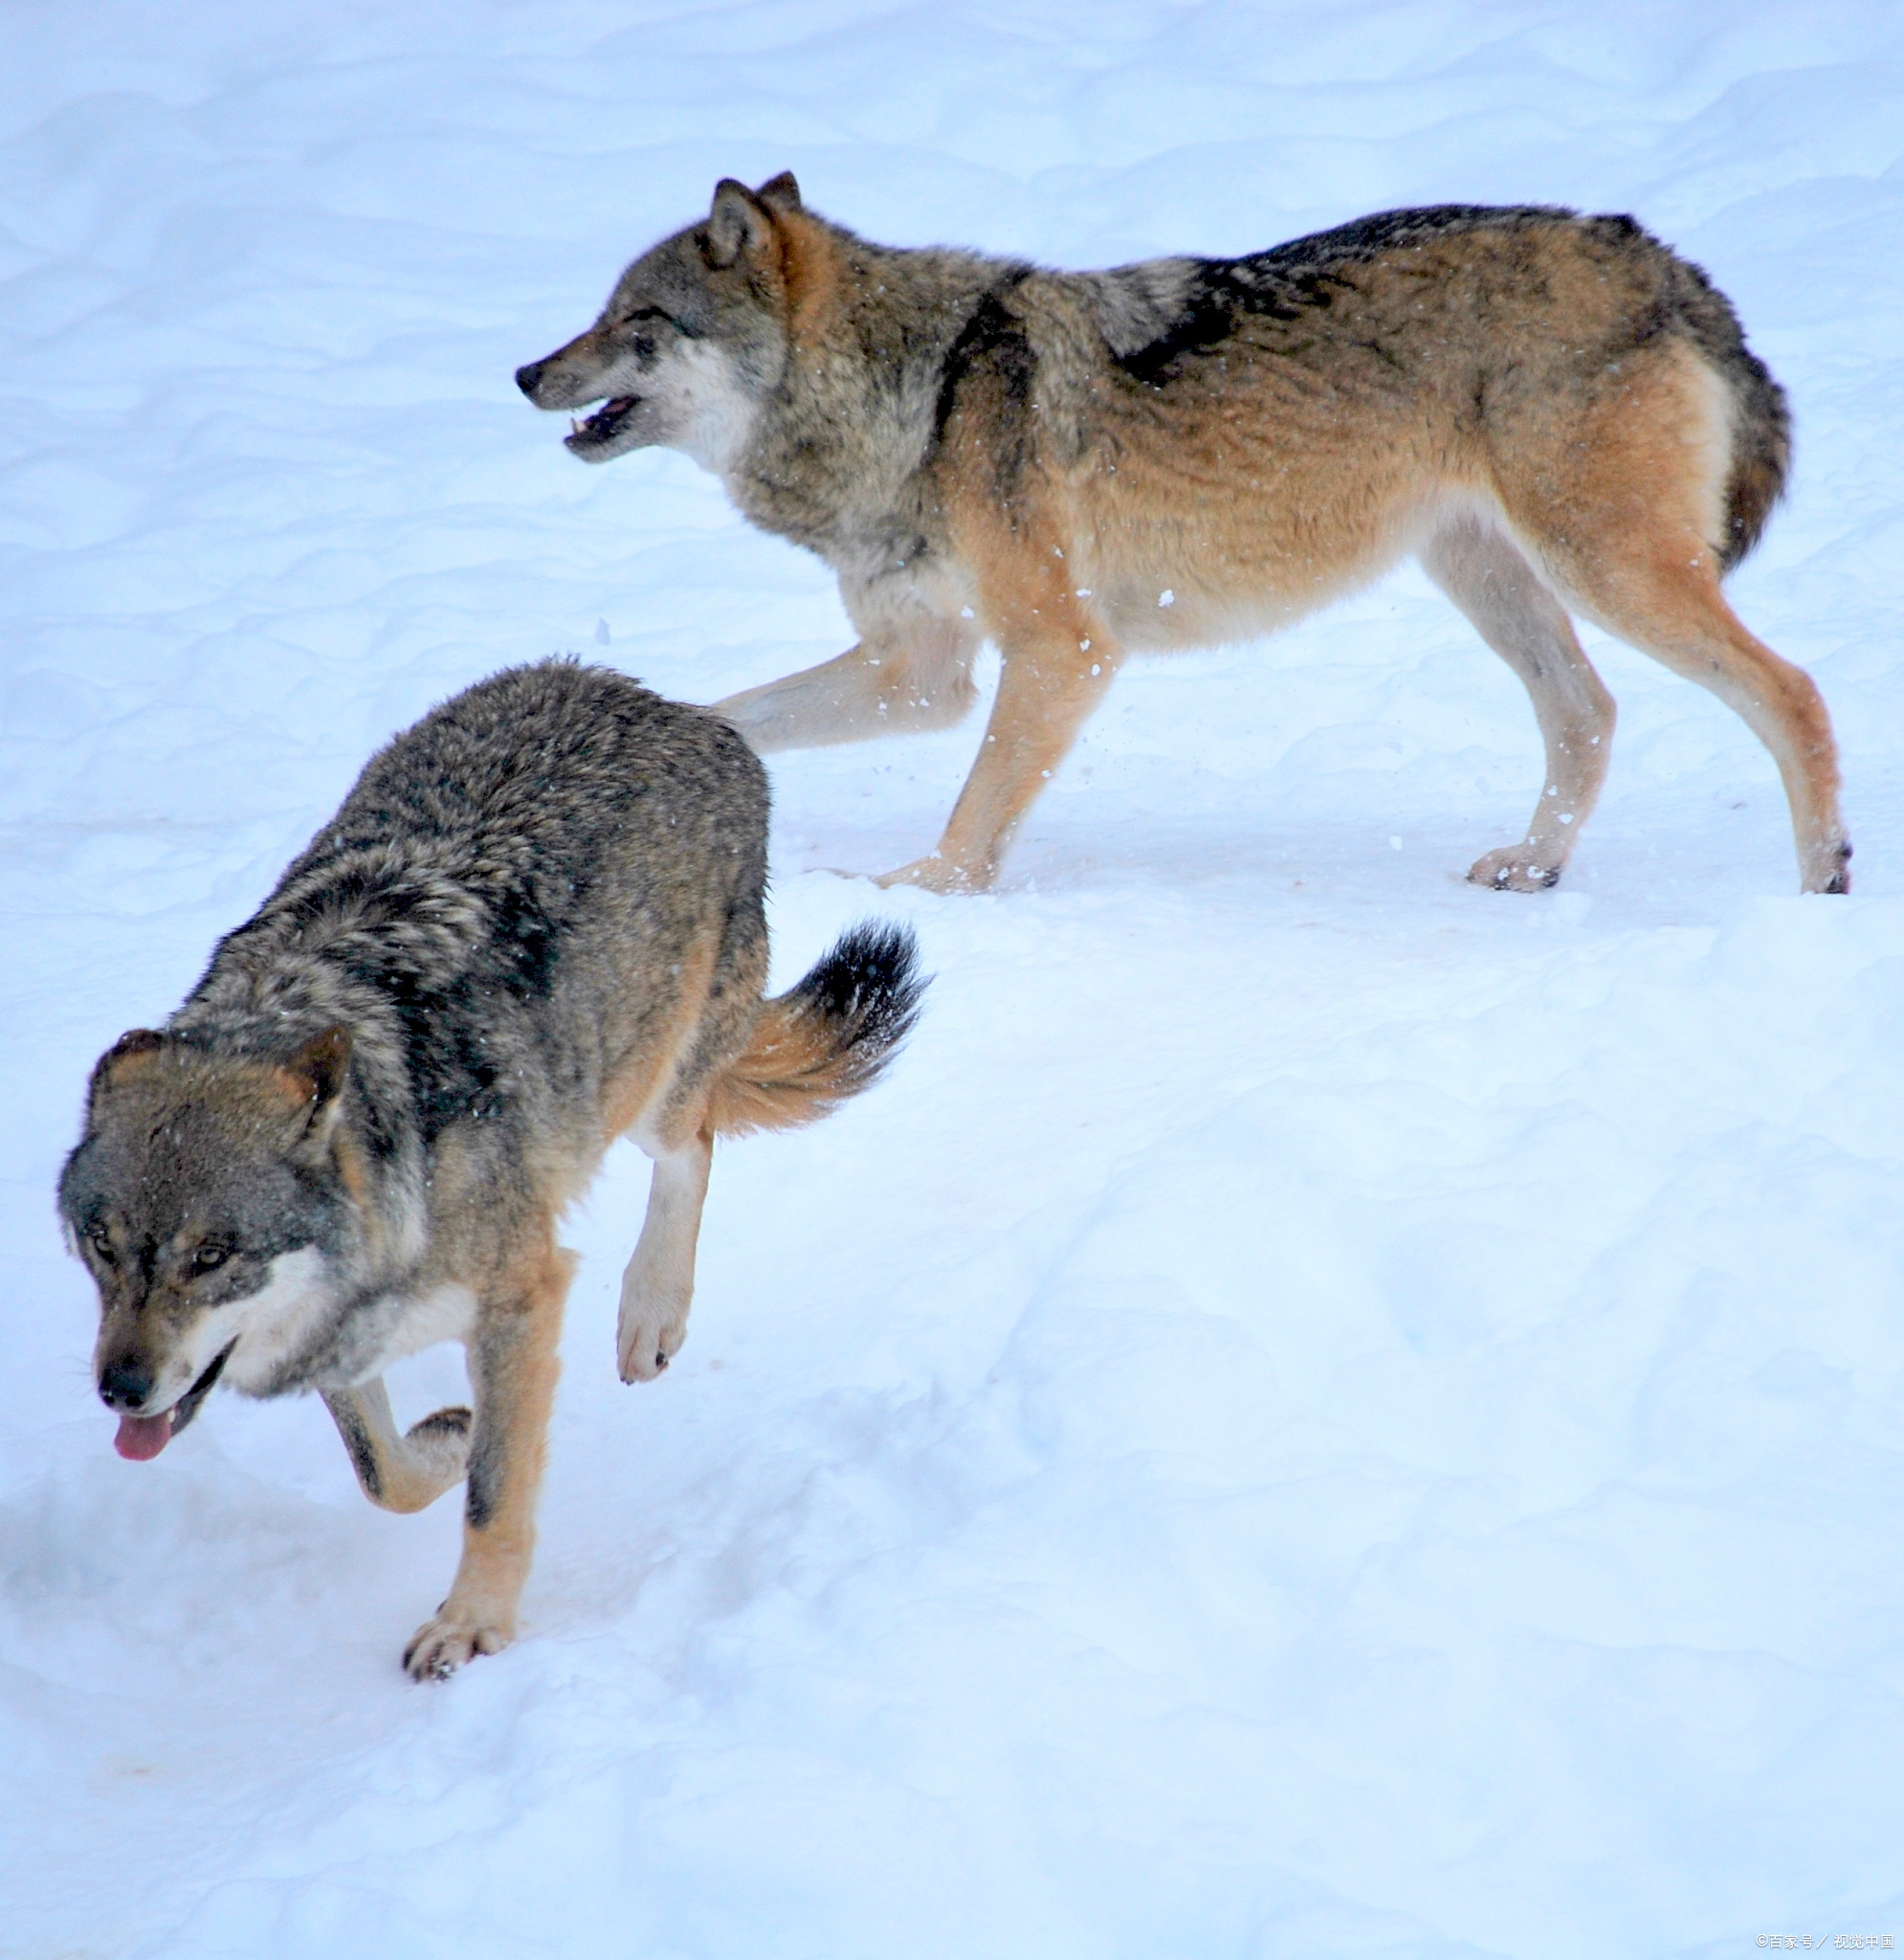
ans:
x=901 y=680
x=659 y=1288
x=513 y=1369
x=401 y=1473
x=1058 y=659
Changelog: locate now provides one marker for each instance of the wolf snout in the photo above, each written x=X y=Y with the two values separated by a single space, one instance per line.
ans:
x=529 y=378
x=125 y=1384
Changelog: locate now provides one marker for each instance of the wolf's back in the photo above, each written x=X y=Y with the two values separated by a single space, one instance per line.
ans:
x=523 y=868
x=822 y=1042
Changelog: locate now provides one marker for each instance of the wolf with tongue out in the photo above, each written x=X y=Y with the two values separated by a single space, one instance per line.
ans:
x=536 y=924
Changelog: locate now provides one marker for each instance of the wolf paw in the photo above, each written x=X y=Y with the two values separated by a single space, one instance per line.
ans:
x=1513 y=870
x=646 y=1338
x=442 y=1645
x=1834 y=872
x=439 y=1445
x=936 y=874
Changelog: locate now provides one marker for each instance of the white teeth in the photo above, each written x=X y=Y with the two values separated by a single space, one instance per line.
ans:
x=575 y=425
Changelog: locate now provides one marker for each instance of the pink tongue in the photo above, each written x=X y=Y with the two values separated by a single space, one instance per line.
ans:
x=141 y=1438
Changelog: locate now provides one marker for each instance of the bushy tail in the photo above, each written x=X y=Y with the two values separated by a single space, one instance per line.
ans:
x=1762 y=425
x=818 y=1045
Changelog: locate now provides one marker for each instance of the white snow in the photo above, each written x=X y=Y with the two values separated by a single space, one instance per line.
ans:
x=1320 y=1410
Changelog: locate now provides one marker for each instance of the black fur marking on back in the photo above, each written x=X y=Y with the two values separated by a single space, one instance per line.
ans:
x=395 y=947
x=992 y=345
x=1399 y=230
x=448 y=893
x=1220 y=291
x=1302 y=277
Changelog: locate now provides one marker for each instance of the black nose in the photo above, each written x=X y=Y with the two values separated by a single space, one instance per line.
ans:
x=124 y=1384
x=527 y=378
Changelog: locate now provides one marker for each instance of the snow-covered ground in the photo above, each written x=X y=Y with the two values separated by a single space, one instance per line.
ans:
x=1320 y=1410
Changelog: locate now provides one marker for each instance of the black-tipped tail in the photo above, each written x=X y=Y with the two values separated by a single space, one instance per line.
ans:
x=823 y=1041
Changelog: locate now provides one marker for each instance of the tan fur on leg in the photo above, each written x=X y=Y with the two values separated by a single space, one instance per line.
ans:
x=1058 y=658
x=513 y=1367
x=901 y=682
x=1480 y=570
x=1672 y=608
x=658 y=1286
x=1629 y=530
x=401 y=1473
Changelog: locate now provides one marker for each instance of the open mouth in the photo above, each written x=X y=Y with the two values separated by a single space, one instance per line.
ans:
x=141 y=1438
x=604 y=425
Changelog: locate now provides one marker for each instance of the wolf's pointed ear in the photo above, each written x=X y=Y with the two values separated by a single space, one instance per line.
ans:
x=122 y=1056
x=780 y=194
x=316 y=1076
x=738 y=226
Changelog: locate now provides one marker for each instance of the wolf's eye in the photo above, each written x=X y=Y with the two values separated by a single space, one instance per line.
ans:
x=100 y=1240
x=209 y=1259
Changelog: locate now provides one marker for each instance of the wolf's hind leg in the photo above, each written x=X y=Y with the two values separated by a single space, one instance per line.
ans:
x=915 y=676
x=1494 y=586
x=658 y=1286
x=1627 y=520
x=401 y=1473
x=1664 y=599
x=513 y=1369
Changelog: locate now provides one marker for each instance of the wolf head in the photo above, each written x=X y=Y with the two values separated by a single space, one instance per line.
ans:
x=693 y=338
x=206 y=1200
